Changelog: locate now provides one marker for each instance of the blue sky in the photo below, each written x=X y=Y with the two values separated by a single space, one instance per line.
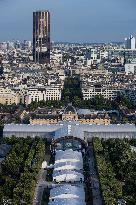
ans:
x=71 y=20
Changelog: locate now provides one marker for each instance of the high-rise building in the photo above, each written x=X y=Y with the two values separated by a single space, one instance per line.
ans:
x=41 y=37
x=130 y=43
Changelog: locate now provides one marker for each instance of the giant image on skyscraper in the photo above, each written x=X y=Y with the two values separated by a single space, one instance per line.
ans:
x=41 y=37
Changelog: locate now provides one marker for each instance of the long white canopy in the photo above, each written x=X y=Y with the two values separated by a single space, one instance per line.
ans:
x=68 y=165
x=68 y=191
x=68 y=155
x=67 y=176
x=66 y=202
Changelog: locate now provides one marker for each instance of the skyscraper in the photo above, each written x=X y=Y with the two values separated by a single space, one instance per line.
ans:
x=41 y=37
x=130 y=43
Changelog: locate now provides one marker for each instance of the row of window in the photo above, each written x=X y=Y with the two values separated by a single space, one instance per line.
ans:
x=47 y=98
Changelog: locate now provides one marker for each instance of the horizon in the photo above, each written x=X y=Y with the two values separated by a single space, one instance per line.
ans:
x=65 y=42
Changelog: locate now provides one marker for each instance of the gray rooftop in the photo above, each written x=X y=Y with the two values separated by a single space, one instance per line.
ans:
x=30 y=128
x=69 y=129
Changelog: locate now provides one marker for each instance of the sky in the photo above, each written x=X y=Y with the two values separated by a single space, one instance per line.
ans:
x=71 y=20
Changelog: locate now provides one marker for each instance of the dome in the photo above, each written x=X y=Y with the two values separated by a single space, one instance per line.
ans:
x=70 y=110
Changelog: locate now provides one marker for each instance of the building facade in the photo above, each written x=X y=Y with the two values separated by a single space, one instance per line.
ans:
x=41 y=37
x=107 y=92
x=130 y=43
x=43 y=93
x=130 y=68
x=8 y=96
x=69 y=114
x=32 y=94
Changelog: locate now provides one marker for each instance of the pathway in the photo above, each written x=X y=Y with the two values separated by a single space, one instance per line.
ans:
x=41 y=184
x=97 y=199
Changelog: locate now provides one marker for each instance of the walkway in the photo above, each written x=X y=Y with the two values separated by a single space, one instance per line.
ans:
x=97 y=199
x=41 y=184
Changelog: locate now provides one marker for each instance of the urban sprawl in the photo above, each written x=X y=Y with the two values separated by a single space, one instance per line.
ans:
x=67 y=121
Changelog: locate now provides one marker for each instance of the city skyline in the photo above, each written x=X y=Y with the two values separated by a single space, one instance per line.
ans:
x=68 y=102
x=84 y=22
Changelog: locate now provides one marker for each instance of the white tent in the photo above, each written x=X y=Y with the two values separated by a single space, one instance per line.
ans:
x=67 y=176
x=68 y=191
x=68 y=155
x=66 y=202
x=68 y=165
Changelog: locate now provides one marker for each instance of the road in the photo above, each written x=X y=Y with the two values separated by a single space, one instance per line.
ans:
x=97 y=199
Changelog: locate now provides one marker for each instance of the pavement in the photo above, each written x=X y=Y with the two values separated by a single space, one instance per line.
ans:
x=41 y=184
x=97 y=199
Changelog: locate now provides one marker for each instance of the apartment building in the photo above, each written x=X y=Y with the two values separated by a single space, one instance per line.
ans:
x=43 y=93
x=107 y=92
x=8 y=96
x=130 y=68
